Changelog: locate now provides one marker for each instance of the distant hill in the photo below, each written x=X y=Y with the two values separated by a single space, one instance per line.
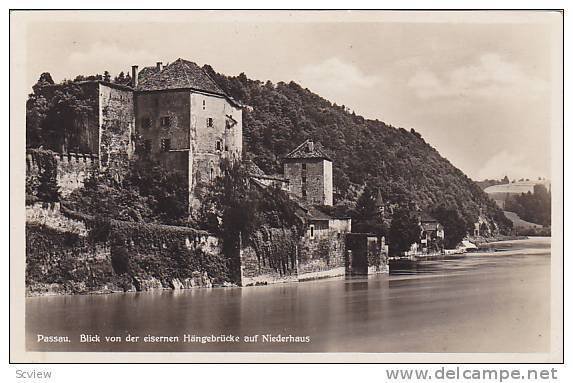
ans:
x=400 y=163
x=518 y=222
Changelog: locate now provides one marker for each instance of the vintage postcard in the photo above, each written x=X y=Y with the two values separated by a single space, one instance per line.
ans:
x=288 y=186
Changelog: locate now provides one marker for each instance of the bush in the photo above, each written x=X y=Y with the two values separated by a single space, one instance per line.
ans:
x=44 y=187
x=120 y=259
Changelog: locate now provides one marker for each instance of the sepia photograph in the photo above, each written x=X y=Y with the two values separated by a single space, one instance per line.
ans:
x=292 y=185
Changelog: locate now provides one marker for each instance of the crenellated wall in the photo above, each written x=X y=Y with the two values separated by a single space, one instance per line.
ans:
x=72 y=168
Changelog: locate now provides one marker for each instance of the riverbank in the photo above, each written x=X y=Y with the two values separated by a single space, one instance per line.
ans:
x=476 y=304
x=496 y=238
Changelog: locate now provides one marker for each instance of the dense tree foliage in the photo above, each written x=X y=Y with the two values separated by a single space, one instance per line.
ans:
x=236 y=203
x=404 y=230
x=366 y=216
x=53 y=111
x=148 y=193
x=399 y=162
x=236 y=208
x=43 y=185
x=453 y=223
x=533 y=207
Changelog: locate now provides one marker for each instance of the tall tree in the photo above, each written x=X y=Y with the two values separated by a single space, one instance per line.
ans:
x=454 y=225
x=404 y=231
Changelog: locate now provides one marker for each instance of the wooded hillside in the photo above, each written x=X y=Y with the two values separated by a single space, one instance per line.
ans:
x=365 y=152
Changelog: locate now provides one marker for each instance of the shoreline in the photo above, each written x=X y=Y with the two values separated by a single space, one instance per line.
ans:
x=478 y=241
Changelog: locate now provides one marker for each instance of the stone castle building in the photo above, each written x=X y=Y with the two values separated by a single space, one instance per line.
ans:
x=175 y=114
x=185 y=120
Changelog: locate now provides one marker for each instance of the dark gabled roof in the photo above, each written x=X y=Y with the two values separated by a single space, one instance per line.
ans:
x=254 y=171
x=180 y=74
x=427 y=218
x=431 y=226
x=318 y=215
x=308 y=150
x=146 y=72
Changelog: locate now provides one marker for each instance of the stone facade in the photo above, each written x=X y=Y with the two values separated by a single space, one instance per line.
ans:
x=308 y=170
x=321 y=255
x=279 y=257
x=327 y=254
x=102 y=139
x=310 y=180
x=116 y=128
x=189 y=131
x=366 y=254
x=72 y=168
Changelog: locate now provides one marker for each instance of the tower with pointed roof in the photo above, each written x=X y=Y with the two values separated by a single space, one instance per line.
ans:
x=379 y=203
x=309 y=172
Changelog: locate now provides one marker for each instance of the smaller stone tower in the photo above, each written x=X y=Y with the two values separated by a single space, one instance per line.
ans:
x=309 y=172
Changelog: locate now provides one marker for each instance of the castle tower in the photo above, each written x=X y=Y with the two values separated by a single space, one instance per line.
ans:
x=309 y=172
x=186 y=121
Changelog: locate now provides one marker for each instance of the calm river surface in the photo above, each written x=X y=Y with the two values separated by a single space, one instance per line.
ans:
x=494 y=302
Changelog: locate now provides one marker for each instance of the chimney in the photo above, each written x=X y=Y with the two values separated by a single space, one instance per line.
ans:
x=159 y=65
x=134 y=73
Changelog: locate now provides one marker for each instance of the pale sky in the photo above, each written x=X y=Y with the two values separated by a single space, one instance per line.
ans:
x=477 y=86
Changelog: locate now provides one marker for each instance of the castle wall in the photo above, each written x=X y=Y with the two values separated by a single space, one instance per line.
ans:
x=214 y=139
x=318 y=175
x=117 y=126
x=62 y=259
x=321 y=256
x=73 y=169
x=276 y=255
x=366 y=254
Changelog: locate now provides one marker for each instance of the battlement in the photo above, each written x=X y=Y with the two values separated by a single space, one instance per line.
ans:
x=72 y=168
x=64 y=158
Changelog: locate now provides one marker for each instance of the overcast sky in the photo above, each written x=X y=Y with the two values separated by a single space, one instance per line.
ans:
x=477 y=86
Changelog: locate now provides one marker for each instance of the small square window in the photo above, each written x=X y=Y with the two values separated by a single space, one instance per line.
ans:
x=204 y=102
x=226 y=148
x=146 y=123
x=218 y=145
x=311 y=231
x=147 y=146
x=165 y=121
x=165 y=144
x=209 y=122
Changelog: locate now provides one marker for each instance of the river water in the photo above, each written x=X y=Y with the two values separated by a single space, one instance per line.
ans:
x=488 y=302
